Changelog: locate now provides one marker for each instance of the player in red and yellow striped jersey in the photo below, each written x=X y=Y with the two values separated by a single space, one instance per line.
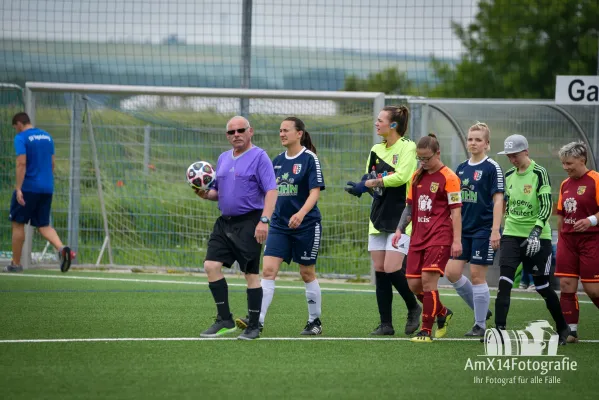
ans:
x=578 y=244
x=434 y=208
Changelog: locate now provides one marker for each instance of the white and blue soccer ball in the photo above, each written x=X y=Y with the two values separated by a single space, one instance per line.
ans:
x=201 y=175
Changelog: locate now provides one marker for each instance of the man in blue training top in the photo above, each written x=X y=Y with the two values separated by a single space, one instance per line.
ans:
x=32 y=198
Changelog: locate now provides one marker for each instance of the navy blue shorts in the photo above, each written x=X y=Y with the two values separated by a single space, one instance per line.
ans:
x=36 y=209
x=477 y=251
x=300 y=246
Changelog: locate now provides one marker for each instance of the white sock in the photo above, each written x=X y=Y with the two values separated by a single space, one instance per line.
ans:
x=482 y=300
x=573 y=327
x=313 y=297
x=464 y=288
x=268 y=291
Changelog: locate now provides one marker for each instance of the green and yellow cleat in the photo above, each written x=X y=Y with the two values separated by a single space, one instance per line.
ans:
x=244 y=323
x=422 y=337
x=442 y=324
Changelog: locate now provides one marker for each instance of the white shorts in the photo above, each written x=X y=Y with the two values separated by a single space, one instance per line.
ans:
x=382 y=242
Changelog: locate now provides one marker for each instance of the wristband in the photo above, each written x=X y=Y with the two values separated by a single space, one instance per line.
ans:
x=593 y=220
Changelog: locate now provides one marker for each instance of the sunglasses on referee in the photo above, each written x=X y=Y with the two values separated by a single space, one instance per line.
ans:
x=239 y=130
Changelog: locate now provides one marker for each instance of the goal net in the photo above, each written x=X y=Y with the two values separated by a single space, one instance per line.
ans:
x=121 y=198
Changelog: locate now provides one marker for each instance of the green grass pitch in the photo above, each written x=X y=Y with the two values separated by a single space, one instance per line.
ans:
x=171 y=311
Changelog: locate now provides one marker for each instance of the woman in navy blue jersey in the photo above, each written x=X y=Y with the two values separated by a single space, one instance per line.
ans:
x=482 y=187
x=295 y=230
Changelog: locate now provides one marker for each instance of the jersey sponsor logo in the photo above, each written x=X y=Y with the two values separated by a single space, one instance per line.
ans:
x=521 y=208
x=570 y=205
x=434 y=187
x=395 y=158
x=469 y=196
x=455 y=197
x=425 y=203
x=285 y=185
x=468 y=193
x=581 y=190
x=478 y=174
x=527 y=189
x=296 y=168
x=286 y=189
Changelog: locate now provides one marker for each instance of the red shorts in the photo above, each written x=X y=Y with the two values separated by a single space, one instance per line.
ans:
x=578 y=256
x=432 y=259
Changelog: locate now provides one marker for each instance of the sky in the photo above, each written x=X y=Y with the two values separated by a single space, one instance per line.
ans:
x=396 y=26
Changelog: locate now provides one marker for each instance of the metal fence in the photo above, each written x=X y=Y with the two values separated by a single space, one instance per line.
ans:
x=153 y=219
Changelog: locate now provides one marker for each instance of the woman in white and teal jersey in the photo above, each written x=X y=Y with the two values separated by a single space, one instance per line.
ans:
x=527 y=234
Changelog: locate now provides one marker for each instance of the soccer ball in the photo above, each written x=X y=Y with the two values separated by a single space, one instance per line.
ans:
x=201 y=175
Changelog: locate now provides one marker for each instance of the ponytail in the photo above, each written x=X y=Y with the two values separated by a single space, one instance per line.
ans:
x=306 y=141
x=426 y=142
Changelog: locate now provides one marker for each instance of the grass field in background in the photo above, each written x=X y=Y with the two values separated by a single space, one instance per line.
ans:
x=173 y=309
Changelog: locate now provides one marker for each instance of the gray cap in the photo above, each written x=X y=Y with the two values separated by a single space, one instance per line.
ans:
x=514 y=144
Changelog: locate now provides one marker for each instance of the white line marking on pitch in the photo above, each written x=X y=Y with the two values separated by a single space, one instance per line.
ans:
x=96 y=278
x=277 y=339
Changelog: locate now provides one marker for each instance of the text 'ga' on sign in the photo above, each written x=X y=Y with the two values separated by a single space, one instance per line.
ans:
x=582 y=90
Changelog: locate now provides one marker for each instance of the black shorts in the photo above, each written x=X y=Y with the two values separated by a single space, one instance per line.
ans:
x=36 y=209
x=232 y=239
x=513 y=253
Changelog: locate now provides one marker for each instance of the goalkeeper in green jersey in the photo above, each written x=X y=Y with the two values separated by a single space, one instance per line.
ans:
x=527 y=234
x=389 y=167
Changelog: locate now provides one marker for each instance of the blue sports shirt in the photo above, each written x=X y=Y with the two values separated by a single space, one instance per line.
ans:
x=479 y=182
x=296 y=176
x=38 y=147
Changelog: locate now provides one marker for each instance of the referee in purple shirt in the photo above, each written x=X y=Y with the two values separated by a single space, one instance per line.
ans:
x=246 y=191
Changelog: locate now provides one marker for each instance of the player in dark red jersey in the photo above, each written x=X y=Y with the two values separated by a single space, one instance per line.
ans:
x=434 y=208
x=578 y=244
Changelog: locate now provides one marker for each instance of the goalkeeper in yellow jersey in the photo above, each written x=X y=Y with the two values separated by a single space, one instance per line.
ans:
x=389 y=167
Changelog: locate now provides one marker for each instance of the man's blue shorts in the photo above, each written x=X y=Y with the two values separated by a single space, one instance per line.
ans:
x=36 y=209
x=290 y=244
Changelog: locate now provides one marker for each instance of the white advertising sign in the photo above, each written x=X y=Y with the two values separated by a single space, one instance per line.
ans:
x=581 y=90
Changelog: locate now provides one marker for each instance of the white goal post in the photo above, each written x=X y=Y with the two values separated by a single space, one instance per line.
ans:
x=33 y=91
